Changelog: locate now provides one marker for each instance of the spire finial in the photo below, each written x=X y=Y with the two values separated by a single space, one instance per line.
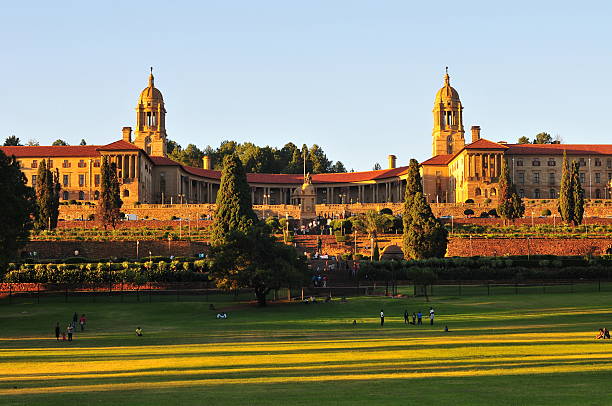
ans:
x=446 y=78
x=151 y=78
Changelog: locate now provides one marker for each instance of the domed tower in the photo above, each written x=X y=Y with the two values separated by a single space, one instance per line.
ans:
x=448 y=120
x=150 y=133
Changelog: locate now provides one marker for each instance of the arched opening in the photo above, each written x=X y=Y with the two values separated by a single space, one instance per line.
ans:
x=65 y=195
x=126 y=193
x=477 y=191
x=493 y=192
x=97 y=194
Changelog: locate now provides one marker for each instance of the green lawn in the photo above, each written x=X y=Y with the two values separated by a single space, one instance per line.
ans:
x=501 y=350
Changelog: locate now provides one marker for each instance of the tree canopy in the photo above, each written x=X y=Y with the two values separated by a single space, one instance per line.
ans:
x=510 y=205
x=12 y=141
x=59 y=143
x=234 y=207
x=17 y=208
x=524 y=140
x=254 y=260
x=256 y=159
x=571 y=194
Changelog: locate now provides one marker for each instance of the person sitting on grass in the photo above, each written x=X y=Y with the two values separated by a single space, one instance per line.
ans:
x=138 y=331
x=600 y=335
x=606 y=333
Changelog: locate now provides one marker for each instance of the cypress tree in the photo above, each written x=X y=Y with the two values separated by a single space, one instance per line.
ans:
x=47 y=197
x=510 y=205
x=234 y=207
x=110 y=203
x=577 y=195
x=565 y=203
x=425 y=237
x=414 y=185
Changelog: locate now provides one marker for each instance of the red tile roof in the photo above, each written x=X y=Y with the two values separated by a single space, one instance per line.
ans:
x=439 y=160
x=162 y=160
x=119 y=146
x=485 y=144
x=557 y=149
x=52 y=151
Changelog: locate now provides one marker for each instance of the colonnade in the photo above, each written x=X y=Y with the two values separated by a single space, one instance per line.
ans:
x=483 y=165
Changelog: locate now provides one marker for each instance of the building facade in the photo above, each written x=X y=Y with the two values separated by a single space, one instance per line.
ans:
x=456 y=172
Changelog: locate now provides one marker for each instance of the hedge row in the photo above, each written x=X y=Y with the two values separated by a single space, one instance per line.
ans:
x=107 y=272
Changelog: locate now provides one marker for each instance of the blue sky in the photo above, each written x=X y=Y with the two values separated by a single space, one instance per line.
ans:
x=356 y=77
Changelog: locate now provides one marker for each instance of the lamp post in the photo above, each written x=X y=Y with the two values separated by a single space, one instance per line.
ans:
x=137 y=244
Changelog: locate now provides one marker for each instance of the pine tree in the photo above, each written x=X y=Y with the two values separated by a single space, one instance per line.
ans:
x=110 y=203
x=234 y=206
x=565 y=201
x=425 y=237
x=47 y=197
x=17 y=207
x=577 y=195
x=376 y=252
x=510 y=205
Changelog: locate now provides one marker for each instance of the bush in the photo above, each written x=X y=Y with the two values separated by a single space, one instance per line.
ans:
x=546 y=212
x=484 y=214
x=469 y=201
x=469 y=212
x=487 y=200
x=72 y=201
x=386 y=210
x=493 y=213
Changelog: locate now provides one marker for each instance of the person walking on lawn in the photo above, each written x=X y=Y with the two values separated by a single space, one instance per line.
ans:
x=405 y=316
x=431 y=315
x=57 y=331
x=382 y=318
x=419 y=317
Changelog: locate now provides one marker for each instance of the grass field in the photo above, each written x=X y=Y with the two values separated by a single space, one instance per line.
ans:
x=502 y=350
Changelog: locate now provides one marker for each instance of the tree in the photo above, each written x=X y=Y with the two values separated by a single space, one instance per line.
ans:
x=524 y=140
x=109 y=204
x=47 y=197
x=414 y=185
x=32 y=143
x=83 y=142
x=253 y=259
x=234 y=207
x=376 y=167
x=59 y=143
x=12 y=141
x=543 y=138
x=425 y=236
x=338 y=167
x=577 y=194
x=510 y=205
x=571 y=194
x=372 y=223
x=17 y=208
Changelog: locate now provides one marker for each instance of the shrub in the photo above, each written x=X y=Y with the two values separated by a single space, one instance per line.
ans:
x=546 y=212
x=469 y=212
x=484 y=214
x=72 y=201
x=487 y=200
x=493 y=213
x=386 y=210
x=469 y=201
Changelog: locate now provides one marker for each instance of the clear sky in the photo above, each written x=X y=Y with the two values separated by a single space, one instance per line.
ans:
x=356 y=77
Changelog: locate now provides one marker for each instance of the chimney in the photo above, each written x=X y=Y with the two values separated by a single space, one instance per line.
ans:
x=475 y=133
x=127 y=134
x=205 y=162
x=392 y=159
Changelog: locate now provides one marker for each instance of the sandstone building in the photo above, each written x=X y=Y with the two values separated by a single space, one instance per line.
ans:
x=457 y=171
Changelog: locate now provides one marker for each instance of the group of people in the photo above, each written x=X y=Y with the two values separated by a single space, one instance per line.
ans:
x=603 y=334
x=67 y=334
x=417 y=318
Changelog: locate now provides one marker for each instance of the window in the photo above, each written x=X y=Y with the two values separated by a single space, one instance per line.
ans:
x=553 y=193
x=582 y=177
x=536 y=177
x=582 y=162
x=65 y=195
x=522 y=192
x=521 y=178
x=598 y=177
x=609 y=163
x=552 y=162
x=97 y=180
x=65 y=164
x=126 y=193
x=597 y=194
x=597 y=162
x=519 y=162
x=97 y=194
x=536 y=193
x=81 y=195
x=81 y=180
x=66 y=180
x=34 y=164
x=33 y=180
x=97 y=163
x=82 y=164
x=551 y=178
x=535 y=162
